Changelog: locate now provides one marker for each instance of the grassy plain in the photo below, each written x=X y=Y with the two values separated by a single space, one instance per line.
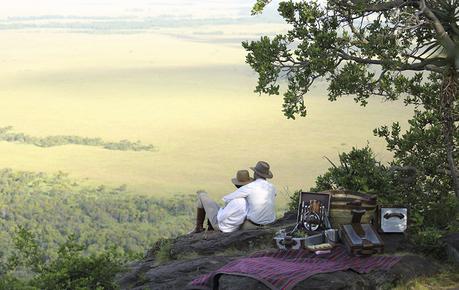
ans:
x=193 y=100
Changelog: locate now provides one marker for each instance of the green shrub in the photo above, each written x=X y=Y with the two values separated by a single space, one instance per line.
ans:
x=294 y=201
x=163 y=250
x=70 y=270
x=357 y=170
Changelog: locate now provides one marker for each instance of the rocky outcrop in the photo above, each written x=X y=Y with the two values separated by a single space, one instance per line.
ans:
x=452 y=247
x=174 y=263
x=170 y=275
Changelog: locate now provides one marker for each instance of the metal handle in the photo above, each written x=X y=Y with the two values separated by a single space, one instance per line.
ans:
x=394 y=214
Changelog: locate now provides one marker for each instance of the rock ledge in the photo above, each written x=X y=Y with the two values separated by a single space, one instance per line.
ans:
x=193 y=255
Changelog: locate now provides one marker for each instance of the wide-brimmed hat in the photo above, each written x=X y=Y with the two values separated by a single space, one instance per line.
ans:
x=262 y=169
x=242 y=178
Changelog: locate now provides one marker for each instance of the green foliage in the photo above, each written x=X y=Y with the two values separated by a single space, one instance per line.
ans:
x=10 y=282
x=358 y=171
x=163 y=250
x=361 y=48
x=54 y=207
x=420 y=158
x=429 y=240
x=259 y=6
x=446 y=278
x=421 y=147
x=28 y=253
x=52 y=141
x=294 y=201
x=300 y=234
x=70 y=270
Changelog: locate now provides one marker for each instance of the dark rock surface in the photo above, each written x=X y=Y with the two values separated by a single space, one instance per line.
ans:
x=209 y=243
x=172 y=275
x=452 y=247
x=193 y=255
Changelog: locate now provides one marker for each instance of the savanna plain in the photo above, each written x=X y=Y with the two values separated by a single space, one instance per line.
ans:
x=192 y=100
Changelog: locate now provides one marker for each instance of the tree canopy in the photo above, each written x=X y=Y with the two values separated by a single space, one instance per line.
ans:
x=54 y=206
x=398 y=49
x=360 y=47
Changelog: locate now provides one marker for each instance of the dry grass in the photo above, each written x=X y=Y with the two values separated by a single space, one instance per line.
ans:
x=447 y=279
x=197 y=108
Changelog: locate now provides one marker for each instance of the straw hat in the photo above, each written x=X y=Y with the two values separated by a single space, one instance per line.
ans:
x=242 y=178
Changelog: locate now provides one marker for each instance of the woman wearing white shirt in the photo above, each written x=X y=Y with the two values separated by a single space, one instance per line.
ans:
x=227 y=219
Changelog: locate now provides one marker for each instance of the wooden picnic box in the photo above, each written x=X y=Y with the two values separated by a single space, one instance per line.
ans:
x=361 y=239
x=342 y=202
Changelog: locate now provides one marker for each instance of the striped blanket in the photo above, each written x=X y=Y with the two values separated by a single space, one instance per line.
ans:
x=285 y=269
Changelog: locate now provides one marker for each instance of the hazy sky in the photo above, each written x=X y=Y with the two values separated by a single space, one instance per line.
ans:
x=116 y=8
x=205 y=21
x=134 y=10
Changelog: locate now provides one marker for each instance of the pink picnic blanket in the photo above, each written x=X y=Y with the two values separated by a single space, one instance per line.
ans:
x=284 y=269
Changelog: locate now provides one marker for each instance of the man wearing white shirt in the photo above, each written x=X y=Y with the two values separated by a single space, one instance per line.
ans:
x=227 y=219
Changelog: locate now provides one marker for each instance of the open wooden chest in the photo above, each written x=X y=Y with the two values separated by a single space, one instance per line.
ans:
x=361 y=239
x=313 y=211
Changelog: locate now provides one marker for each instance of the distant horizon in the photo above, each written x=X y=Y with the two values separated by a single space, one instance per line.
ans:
x=206 y=18
x=123 y=8
x=209 y=21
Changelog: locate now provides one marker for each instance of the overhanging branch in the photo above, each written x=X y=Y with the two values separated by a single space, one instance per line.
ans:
x=434 y=64
x=377 y=7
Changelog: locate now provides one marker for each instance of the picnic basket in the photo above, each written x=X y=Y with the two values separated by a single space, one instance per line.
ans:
x=344 y=201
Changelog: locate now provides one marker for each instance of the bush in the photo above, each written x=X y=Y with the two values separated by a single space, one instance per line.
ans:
x=294 y=201
x=358 y=170
x=70 y=270
x=429 y=240
x=162 y=250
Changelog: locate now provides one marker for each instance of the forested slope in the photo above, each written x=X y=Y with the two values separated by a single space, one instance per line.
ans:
x=55 y=206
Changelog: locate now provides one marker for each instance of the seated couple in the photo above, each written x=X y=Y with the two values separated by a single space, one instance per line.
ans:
x=250 y=206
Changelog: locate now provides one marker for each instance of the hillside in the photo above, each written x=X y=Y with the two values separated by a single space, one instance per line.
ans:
x=54 y=206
